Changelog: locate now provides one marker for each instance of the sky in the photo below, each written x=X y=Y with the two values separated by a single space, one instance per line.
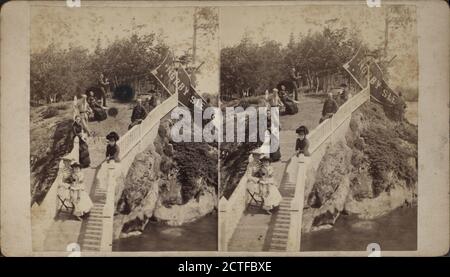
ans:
x=277 y=23
x=84 y=26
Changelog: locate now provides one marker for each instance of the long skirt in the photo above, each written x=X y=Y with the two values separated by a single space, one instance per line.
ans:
x=275 y=155
x=85 y=160
x=273 y=198
x=99 y=114
x=291 y=107
x=83 y=205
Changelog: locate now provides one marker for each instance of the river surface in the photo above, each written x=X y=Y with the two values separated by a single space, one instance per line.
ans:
x=396 y=230
x=200 y=235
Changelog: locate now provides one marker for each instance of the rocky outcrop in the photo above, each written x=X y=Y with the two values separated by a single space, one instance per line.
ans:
x=176 y=215
x=156 y=188
x=372 y=172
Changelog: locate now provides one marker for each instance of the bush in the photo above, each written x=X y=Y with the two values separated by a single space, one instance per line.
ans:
x=50 y=112
x=62 y=107
x=386 y=155
x=195 y=160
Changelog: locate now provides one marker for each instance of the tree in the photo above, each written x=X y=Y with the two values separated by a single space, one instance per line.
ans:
x=396 y=17
x=69 y=72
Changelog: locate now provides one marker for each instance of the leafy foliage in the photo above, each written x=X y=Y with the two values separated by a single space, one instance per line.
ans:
x=389 y=147
x=67 y=72
x=195 y=160
x=262 y=66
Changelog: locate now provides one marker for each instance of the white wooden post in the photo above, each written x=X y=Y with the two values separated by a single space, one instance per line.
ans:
x=223 y=219
x=295 y=227
x=108 y=209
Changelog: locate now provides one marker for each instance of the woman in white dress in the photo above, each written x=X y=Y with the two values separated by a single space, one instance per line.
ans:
x=80 y=198
x=268 y=190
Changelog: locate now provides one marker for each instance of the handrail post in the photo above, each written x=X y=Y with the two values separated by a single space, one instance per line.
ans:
x=108 y=209
x=223 y=220
x=296 y=209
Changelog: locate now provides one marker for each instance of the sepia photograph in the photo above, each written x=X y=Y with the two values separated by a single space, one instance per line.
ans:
x=106 y=174
x=342 y=175
x=199 y=129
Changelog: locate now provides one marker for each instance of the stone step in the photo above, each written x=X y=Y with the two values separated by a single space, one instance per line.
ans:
x=284 y=216
x=91 y=241
x=277 y=249
x=95 y=232
x=282 y=221
x=281 y=230
x=96 y=213
x=280 y=245
x=95 y=220
x=281 y=226
x=93 y=236
x=278 y=241
x=90 y=248
x=280 y=236
x=94 y=224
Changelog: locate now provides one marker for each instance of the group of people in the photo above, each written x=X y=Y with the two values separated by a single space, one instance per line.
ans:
x=72 y=188
x=281 y=99
x=260 y=179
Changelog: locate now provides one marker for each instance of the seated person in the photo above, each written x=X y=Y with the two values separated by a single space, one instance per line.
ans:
x=253 y=174
x=112 y=149
x=64 y=186
x=343 y=96
x=302 y=143
x=268 y=190
x=330 y=107
x=139 y=114
x=80 y=198
x=289 y=104
x=98 y=112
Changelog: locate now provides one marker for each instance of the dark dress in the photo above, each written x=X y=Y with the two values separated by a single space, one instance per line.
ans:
x=274 y=155
x=112 y=152
x=291 y=107
x=329 y=107
x=139 y=113
x=99 y=112
x=84 y=158
x=302 y=145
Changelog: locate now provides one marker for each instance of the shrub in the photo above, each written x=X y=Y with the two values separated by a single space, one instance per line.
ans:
x=386 y=155
x=50 y=112
x=195 y=160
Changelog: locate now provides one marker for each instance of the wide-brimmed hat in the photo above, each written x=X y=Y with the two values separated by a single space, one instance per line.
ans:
x=112 y=136
x=75 y=164
x=302 y=129
x=264 y=158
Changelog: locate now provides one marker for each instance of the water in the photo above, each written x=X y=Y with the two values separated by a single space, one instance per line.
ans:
x=200 y=235
x=394 y=231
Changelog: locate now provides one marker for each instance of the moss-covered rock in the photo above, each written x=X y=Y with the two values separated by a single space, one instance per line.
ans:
x=372 y=173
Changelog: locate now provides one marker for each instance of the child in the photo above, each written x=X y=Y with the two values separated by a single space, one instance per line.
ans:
x=268 y=190
x=112 y=149
x=302 y=143
x=80 y=199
